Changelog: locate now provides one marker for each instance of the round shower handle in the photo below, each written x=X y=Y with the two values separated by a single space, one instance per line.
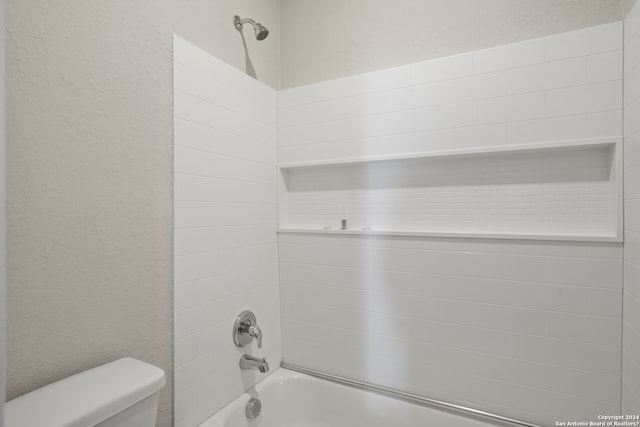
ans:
x=246 y=328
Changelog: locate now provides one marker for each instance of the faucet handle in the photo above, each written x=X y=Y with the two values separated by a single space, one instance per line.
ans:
x=255 y=332
x=245 y=329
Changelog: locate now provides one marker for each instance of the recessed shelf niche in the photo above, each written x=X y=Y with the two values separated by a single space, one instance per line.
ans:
x=570 y=190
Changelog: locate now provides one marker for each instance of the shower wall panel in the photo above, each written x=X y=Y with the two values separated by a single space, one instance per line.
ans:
x=225 y=251
x=566 y=86
x=526 y=329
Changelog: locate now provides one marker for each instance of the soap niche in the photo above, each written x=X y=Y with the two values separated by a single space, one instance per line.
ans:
x=569 y=190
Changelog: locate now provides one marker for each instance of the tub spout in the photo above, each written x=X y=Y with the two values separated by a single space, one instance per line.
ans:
x=250 y=362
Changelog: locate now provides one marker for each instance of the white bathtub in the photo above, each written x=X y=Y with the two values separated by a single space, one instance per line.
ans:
x=291 y=399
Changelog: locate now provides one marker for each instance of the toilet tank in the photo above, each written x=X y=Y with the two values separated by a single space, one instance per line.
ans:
x=123 y=393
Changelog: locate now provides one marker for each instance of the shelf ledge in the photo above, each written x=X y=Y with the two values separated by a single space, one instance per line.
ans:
x=479 y=151
x=412 y=233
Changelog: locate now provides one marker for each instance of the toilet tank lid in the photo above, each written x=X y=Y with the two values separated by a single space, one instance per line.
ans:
x=87 y=398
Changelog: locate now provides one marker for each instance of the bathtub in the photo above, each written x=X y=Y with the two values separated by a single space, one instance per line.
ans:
x=292 y=399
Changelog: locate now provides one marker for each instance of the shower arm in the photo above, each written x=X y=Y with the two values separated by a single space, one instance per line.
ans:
x=239 y=22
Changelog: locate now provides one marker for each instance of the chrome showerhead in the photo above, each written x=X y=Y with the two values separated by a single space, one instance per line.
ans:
x=261 y=30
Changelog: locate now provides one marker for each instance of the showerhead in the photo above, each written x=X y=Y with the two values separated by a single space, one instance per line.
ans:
x=261 y=30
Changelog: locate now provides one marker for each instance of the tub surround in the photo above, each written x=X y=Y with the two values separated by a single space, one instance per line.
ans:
x=527 y=329
x=225 y=229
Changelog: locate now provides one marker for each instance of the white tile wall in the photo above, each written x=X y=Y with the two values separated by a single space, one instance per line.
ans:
x=529 y=329
x=563 y=87
x=631 y=324
x=225 y=222
x=526 y=329
x=561 y=192
x=508 y=327
x=546 y=89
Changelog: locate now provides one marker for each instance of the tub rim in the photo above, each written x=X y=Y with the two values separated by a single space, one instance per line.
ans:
x=288 y=371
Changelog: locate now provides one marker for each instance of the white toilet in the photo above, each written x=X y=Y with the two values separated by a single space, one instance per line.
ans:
x=123 y=393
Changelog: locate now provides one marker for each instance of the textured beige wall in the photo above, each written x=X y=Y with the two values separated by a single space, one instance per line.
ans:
x=627 y=5
x=329 y=39
x=89 y=204
x=208 y=24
